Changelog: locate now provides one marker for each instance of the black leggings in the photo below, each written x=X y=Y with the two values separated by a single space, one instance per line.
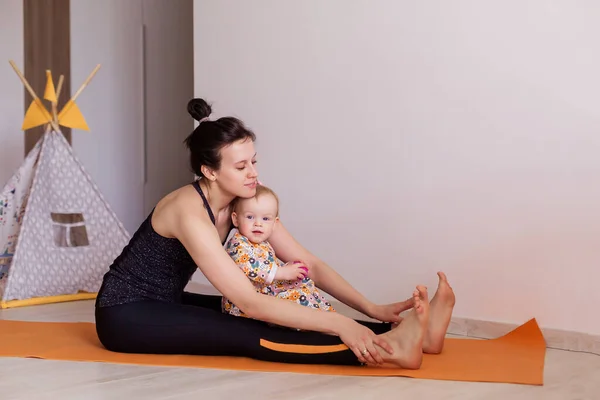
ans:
x=197 y=326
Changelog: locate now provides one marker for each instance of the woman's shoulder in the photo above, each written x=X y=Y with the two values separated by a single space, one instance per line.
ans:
x=182 y=204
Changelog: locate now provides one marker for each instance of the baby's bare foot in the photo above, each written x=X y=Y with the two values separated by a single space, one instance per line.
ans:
x=407 y=338
x=440 y=314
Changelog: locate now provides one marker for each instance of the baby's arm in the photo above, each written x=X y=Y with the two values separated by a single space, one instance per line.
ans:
x=291 y=271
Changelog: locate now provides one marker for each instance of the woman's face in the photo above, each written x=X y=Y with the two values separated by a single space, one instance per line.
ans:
x=237 y=174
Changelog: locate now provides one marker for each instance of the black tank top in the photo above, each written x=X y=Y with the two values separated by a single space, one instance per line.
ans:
x=150 y=267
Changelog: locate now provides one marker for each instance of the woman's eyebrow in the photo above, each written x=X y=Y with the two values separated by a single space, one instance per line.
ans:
x=241 y=161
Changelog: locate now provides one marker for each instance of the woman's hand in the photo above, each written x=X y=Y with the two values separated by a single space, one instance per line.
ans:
x=361 y=340
x=390 y=312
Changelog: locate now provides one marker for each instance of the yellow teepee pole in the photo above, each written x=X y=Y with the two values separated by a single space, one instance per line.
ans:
x=32 y=93
x=83 y=86
x=55 y=103
x=85 y=83
x=70 y=114
x=59 y=86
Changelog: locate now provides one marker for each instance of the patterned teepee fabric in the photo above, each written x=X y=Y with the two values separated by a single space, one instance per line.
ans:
x=13 y=201
x=69 y=235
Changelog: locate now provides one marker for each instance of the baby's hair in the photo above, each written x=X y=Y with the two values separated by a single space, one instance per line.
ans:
x=261 y=190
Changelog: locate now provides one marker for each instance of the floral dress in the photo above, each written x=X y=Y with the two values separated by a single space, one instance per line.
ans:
x=259 y=263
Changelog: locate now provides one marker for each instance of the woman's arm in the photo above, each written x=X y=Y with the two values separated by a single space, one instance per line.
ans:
x=325 y=277
x=202 y=241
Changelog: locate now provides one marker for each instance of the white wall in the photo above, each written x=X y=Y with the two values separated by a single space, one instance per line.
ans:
x=134 y=171
x=169 y=87
x=110 y=33
x=408 y=137
x=12 y=139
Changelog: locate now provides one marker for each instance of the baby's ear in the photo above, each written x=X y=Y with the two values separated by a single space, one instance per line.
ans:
x=234 y=219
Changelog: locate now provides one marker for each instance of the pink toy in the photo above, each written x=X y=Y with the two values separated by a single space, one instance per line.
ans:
x=304 y=268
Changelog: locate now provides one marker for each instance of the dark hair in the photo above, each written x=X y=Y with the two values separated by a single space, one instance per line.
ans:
x=209 y=137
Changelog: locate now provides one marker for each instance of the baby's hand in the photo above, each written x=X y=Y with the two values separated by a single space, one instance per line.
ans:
x=292 y=271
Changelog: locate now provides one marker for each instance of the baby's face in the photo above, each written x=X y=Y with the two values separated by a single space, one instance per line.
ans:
x=256 y=217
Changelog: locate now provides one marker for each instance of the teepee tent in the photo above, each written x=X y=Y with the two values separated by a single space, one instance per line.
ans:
x=58 y=235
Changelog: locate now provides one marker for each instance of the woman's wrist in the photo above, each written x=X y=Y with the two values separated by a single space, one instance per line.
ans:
x=337 y=323
x=369 y=308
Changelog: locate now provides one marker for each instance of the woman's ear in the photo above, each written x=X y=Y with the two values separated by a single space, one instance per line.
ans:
x=208 y=173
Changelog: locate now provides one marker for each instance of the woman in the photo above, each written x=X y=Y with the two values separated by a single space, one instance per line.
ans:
x=142 y=307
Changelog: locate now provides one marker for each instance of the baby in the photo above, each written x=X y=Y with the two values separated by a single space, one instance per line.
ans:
x=248 y=246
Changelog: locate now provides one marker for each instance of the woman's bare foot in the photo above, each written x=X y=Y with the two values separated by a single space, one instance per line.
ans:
x=440 y=312
x=407 y=338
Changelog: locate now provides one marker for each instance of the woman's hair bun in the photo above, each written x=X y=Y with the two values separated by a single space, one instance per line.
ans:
x=198 y=109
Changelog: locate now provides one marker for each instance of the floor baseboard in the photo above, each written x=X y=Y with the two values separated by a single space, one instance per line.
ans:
x=555 y=338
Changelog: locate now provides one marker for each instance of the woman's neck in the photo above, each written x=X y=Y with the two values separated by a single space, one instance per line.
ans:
x=217 y=199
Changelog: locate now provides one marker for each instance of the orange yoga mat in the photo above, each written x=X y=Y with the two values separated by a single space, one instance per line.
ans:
x=517 y=357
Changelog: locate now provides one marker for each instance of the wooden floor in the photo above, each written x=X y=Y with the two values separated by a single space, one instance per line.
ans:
x=568 y=375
